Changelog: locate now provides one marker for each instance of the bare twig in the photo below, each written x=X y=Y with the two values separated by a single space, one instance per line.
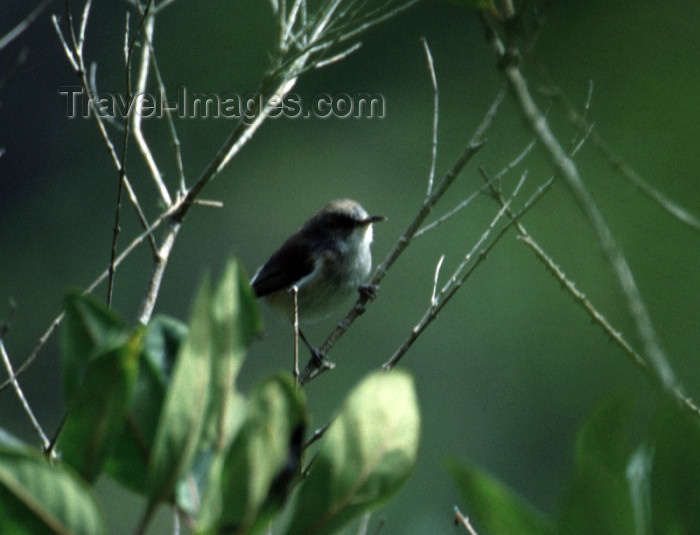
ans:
x=569 y=172
x=141 y=84
x=138 y=240
x=460 y=206
x=20 y=396
x=27 y=21
x=363 y=528
x=295 y=369
x=160 y=261
x=177 y=147
x=74 y=54
x=317 y=435
x=436 y=115
x=475 y=143
x=596 y=316
x=433 y=298
x=128 y=52
x=623 y=168
x=337 y=57
x=461 y=520
x=471 y=261
x=10 y=73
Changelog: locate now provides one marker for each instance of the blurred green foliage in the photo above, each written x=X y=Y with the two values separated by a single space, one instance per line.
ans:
x=633 y=475
x=232 y=479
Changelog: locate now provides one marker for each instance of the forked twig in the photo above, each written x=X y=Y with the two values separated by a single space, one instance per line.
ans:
x=471 y=261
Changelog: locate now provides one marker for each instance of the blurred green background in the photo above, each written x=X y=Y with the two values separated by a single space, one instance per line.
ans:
x=509 y=370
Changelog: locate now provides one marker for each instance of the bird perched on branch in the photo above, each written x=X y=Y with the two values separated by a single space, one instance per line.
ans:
x=327 y=259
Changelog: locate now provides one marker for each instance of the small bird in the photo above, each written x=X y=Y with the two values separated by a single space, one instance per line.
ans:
x=328 y=259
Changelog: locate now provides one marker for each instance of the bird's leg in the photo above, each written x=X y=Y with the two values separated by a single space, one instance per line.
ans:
x=316 y=354
x=368 y=291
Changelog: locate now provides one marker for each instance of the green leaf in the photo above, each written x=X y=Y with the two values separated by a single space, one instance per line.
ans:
x=37 y=497
x=9 y=440
x=599 y=500
x=365 y=456
x=162 y=342
x=235 y=322
x=675 y=476
x=128 y=462
x=98 y=407
x=88 y=328
x=184 y=409
x=494 y=507
x=638 y=475
x=263 y=460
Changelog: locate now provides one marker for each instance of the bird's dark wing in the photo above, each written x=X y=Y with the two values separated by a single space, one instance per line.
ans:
x=289 y=264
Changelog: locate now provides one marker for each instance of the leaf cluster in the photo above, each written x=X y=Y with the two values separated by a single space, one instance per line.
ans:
x=632 y=475
x=156 y=409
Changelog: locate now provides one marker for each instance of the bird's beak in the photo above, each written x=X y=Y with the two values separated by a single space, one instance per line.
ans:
x=373 y=219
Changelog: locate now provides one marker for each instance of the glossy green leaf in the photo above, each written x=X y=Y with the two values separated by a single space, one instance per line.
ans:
x=493 y=507
x=599 y=500
x=235 y=322
x=263 y=460
x=89 y=327
x=37 y=497
x=162 y=342
x=128 y=462
x=365 y=456
x=184 y=409
x=98 y=407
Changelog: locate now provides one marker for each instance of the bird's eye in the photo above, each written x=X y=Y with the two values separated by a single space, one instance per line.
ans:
x=343 y=221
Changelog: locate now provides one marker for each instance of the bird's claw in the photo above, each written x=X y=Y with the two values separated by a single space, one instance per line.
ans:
x=368 y=291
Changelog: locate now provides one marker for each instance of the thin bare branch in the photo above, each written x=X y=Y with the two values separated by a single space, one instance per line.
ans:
x=162 y=6
x=138 y=240
x=75 y=57
x=338 y=57
x=462 y=520
x=569 y=172
x=66 y=47
x=141 y=85
x=83 y=25
x=462 y=205
x=177 y=147
x=295 y=368
x=25 y=23
x=436 y=114
x=128 y=51
x=596 y=316
x=288 y=25
x=436 y=276
x=159 y=264
x=475 y=143
x=12 y=70
x=463 y=272
x=21 y=397
x=317 y=435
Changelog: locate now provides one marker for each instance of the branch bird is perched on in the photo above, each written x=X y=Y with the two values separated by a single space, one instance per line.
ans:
x=328 y=259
